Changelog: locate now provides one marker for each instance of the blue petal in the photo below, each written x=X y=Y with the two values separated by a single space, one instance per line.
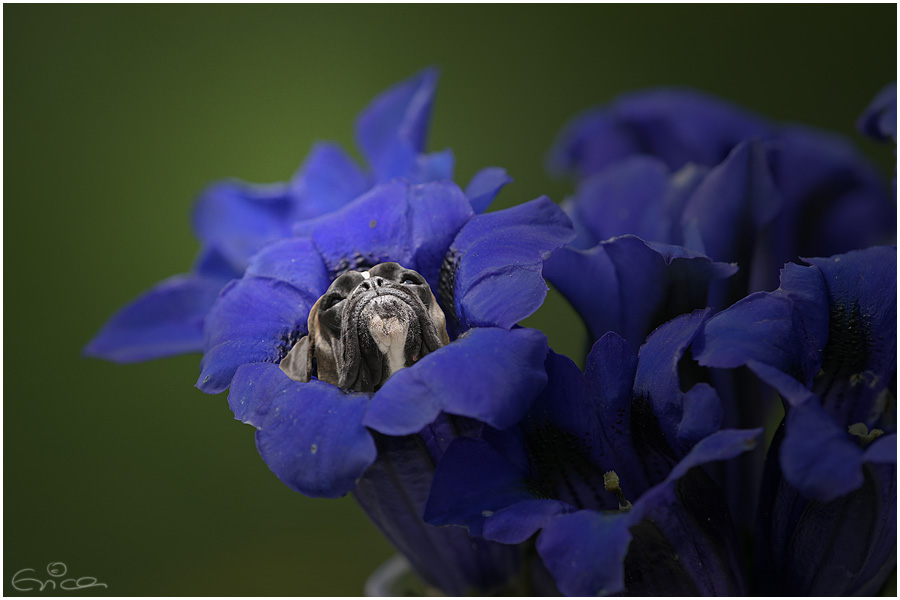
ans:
x=702 y=414
x=879 y=120
x=818 y=456
x=412 y=225
x=610 y=368
x=882 y=450
x=563 y=433
x=260 y=317
x=472 y=481
x=237 y=218
x=859 y=362
x=498 y=262
x=631 y=287
x=862 y=293
x=435 y=166
x=681 y=125
x=585 y=551
x=488 y=374
x=788 y=388
x=677 y=125
x=392 y=129
x=721 y=445
x=520 y=521
x=164 y=321
x=309 y=434
x=328 y=179
x=656 y=383
x=294 y=261
x=484 y=187
x=209 y=262
x=566 y=403
x=786 y=329
x=627 y=199
x=733 y=203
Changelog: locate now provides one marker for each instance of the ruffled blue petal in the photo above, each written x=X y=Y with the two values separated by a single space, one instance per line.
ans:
x=787 y=329
x=237 y=218
x=412 y=225
x=392 y=129
x=497 y=259
x=484 y=187
x=631 y=287
x=656 y=383
x=489 y=374
x=328 y=179
x=818 y=456
x=879 y=119
x=309 y=434
x=260 y=317
x=164 y=321
x=677 y=125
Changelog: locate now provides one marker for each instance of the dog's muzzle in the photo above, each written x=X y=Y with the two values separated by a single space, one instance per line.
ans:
x=367 y=326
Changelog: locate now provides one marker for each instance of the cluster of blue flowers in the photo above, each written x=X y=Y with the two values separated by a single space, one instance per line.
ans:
x=734 y=428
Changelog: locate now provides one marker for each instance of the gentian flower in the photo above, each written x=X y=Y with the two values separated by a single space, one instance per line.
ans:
x=688 y=170
x=233 y=219
x=695 y=172
x=604 y=467
x=826 y=342
x=322 y=440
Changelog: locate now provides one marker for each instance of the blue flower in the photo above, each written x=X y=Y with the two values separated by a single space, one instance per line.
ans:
x=602 y=468
x=826 y=342
x=703 y=175
x=233 y=219
x=322 y=440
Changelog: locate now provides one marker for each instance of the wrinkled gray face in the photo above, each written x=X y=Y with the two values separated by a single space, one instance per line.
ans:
x=367 y=326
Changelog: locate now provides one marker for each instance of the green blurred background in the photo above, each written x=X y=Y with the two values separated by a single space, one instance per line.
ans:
x=115 y=117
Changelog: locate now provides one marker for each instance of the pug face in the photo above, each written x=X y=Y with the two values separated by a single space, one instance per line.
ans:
x=368 y=325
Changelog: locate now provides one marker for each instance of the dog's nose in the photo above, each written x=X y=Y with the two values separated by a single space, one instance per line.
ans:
x=372 y=283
